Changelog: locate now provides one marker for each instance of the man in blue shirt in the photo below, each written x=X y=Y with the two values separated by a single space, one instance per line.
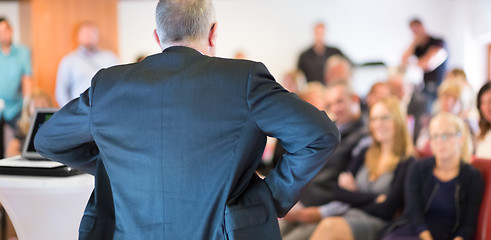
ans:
x=15 y=80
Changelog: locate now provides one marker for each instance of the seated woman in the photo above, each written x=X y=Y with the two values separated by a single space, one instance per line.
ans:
x=450 y=100
x=37 y=99
x=483 y=148
x=371 y=193
x=443 y=193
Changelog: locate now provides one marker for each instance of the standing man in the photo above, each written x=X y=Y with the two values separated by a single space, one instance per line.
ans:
x=78 y=67
x=181 y=133
x=431 y=54
x=312 y=61
x=15 y=78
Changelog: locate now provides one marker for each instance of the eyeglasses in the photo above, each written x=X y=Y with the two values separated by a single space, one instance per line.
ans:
x=383 y=118
x=444 y=136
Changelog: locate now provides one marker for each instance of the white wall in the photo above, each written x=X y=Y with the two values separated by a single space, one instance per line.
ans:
x=276 y=31
x=10 y=10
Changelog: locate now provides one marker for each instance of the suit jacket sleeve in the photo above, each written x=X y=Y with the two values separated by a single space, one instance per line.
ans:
x=306 y=133
x=66 y=136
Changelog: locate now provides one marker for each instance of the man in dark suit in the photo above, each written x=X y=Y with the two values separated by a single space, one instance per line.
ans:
x=180 y=135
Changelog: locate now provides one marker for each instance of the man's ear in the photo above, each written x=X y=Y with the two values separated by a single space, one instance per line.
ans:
x=156 y=37
x=212 y=35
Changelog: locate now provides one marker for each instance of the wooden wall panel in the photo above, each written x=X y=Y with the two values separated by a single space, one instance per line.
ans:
x=51 y=32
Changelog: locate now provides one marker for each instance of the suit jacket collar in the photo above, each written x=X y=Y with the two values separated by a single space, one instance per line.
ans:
x=182 y=49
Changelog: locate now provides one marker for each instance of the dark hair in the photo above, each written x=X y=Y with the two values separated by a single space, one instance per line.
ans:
x=415 y=21
x=3 y=19
x=484 y=125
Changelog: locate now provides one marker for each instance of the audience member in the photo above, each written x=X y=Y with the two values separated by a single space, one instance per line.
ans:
x=449 y=101
x=37 y=99
x=180 y=135
x=15 y=79
x=311 y=62
x=469 y=110
x=371 y=192
x=443 y=193
x=78 y=67
x=239 y=55
x=431 y=56
x=294 y=81
x=483 y=149
x=414 y=102
x=379 y=90
x=343 y=106
x=337 y=68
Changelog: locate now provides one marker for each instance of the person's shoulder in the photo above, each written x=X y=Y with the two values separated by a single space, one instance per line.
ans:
x=21 y=48
x=437 y=41
x=423 y=164
x=234 y=63
x=307 y=51
x=70 y=56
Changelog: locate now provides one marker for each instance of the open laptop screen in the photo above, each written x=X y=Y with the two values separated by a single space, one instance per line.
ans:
x=40 y=116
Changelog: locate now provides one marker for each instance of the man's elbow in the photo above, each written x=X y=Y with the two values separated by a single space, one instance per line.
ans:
x=41 y=143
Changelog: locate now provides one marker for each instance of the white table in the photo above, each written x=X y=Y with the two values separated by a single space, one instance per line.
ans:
x=45 y=208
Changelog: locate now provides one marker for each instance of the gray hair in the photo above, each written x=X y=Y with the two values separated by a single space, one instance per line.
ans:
x=184 y=20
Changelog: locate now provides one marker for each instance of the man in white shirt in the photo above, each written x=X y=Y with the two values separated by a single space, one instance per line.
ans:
x=77 y=68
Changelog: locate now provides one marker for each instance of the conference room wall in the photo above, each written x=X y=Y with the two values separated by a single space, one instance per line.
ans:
x=276 y=31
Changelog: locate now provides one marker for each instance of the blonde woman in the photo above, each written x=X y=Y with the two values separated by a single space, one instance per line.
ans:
x=443 y=193
x=372 y=191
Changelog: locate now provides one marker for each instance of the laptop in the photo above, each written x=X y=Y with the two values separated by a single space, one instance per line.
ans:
x=30 y=162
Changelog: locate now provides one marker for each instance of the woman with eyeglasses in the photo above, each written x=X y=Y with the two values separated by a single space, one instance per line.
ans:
x=443 y=193
x=371 y=192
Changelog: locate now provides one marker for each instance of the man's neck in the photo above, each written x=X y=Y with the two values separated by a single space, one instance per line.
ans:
x=319 y=48
x=6 y=48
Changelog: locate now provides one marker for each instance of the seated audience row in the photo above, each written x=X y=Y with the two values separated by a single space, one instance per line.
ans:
x=360 y=213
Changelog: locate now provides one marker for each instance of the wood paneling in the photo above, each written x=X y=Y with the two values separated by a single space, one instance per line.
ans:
x=49 y=28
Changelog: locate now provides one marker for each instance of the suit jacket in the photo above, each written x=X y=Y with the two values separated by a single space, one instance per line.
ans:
x=180 y=135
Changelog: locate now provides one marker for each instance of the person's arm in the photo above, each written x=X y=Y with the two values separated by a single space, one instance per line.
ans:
x=306 y=133
x=475 y=190
x=394 y=200
x=13 y=148
x=433 y=58
x=407 y=54
x=66 y=136
x=26 y=85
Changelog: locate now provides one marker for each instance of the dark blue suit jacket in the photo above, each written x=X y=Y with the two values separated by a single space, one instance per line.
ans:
x=180 y=136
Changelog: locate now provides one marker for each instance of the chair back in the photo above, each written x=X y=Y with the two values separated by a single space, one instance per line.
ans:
x=483 y=228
